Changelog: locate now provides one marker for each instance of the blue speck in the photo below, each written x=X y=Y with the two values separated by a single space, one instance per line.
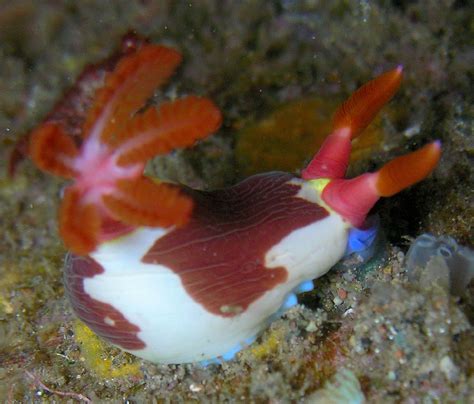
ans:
x=289 y=302
x=306 y=286
x=231 y=353
x=360 y=240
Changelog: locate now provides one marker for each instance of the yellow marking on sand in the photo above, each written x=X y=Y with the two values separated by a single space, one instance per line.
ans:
x=96 y=358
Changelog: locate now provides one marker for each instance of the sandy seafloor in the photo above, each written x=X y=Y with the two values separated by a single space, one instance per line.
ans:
x=375 y=331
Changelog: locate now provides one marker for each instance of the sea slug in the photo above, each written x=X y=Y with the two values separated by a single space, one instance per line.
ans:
x=176 y=275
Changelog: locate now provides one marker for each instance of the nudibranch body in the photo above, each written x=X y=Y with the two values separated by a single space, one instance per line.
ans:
x=176 y=275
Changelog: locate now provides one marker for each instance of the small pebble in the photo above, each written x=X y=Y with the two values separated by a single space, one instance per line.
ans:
x=342 y=293
x=311 y=327
x=392 y=376
x=399 y=354
x=348 y=276
x=449 y=369
x=195 y=387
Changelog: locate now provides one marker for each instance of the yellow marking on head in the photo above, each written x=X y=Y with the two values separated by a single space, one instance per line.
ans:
x=319 y=184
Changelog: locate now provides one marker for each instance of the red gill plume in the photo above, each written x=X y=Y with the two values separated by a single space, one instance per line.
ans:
x=173 y=125
x=127 y=88
x=79 y=223
x=53 y=151
x=71 y=109
x=108 y=168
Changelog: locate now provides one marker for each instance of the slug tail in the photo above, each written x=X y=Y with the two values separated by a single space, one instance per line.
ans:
x=173 y=125
x=127 y=89
x=53 y=151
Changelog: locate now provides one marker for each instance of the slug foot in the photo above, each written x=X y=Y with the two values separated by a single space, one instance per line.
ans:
x=290 y=301
x=363 y=241
x=230 y=354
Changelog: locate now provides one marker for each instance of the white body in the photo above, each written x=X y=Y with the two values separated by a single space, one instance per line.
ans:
x=174 y=327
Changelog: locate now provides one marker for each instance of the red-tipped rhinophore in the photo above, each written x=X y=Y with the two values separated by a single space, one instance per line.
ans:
x=353 y=198
x=407 y=170
x=349 y=121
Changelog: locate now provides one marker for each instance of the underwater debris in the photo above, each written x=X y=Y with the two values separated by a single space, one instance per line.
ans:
x=342 y=388
x=406 y=334
x=443 y=250
x=42 y=387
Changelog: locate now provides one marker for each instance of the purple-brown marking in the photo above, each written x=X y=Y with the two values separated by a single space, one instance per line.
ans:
x=220 y=254
x=116 y=329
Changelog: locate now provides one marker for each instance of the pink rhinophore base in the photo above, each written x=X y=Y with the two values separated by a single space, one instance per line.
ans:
x=352 y=198
x=333 y=157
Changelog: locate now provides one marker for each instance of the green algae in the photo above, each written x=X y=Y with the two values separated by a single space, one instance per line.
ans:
x=251 y=57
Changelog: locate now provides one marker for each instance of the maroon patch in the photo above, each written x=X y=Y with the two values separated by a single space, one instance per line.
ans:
x=111 y=229
x=219 y=254
x=118 y=330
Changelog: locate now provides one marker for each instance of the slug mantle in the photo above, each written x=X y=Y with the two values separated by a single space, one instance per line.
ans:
x=176 y=275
